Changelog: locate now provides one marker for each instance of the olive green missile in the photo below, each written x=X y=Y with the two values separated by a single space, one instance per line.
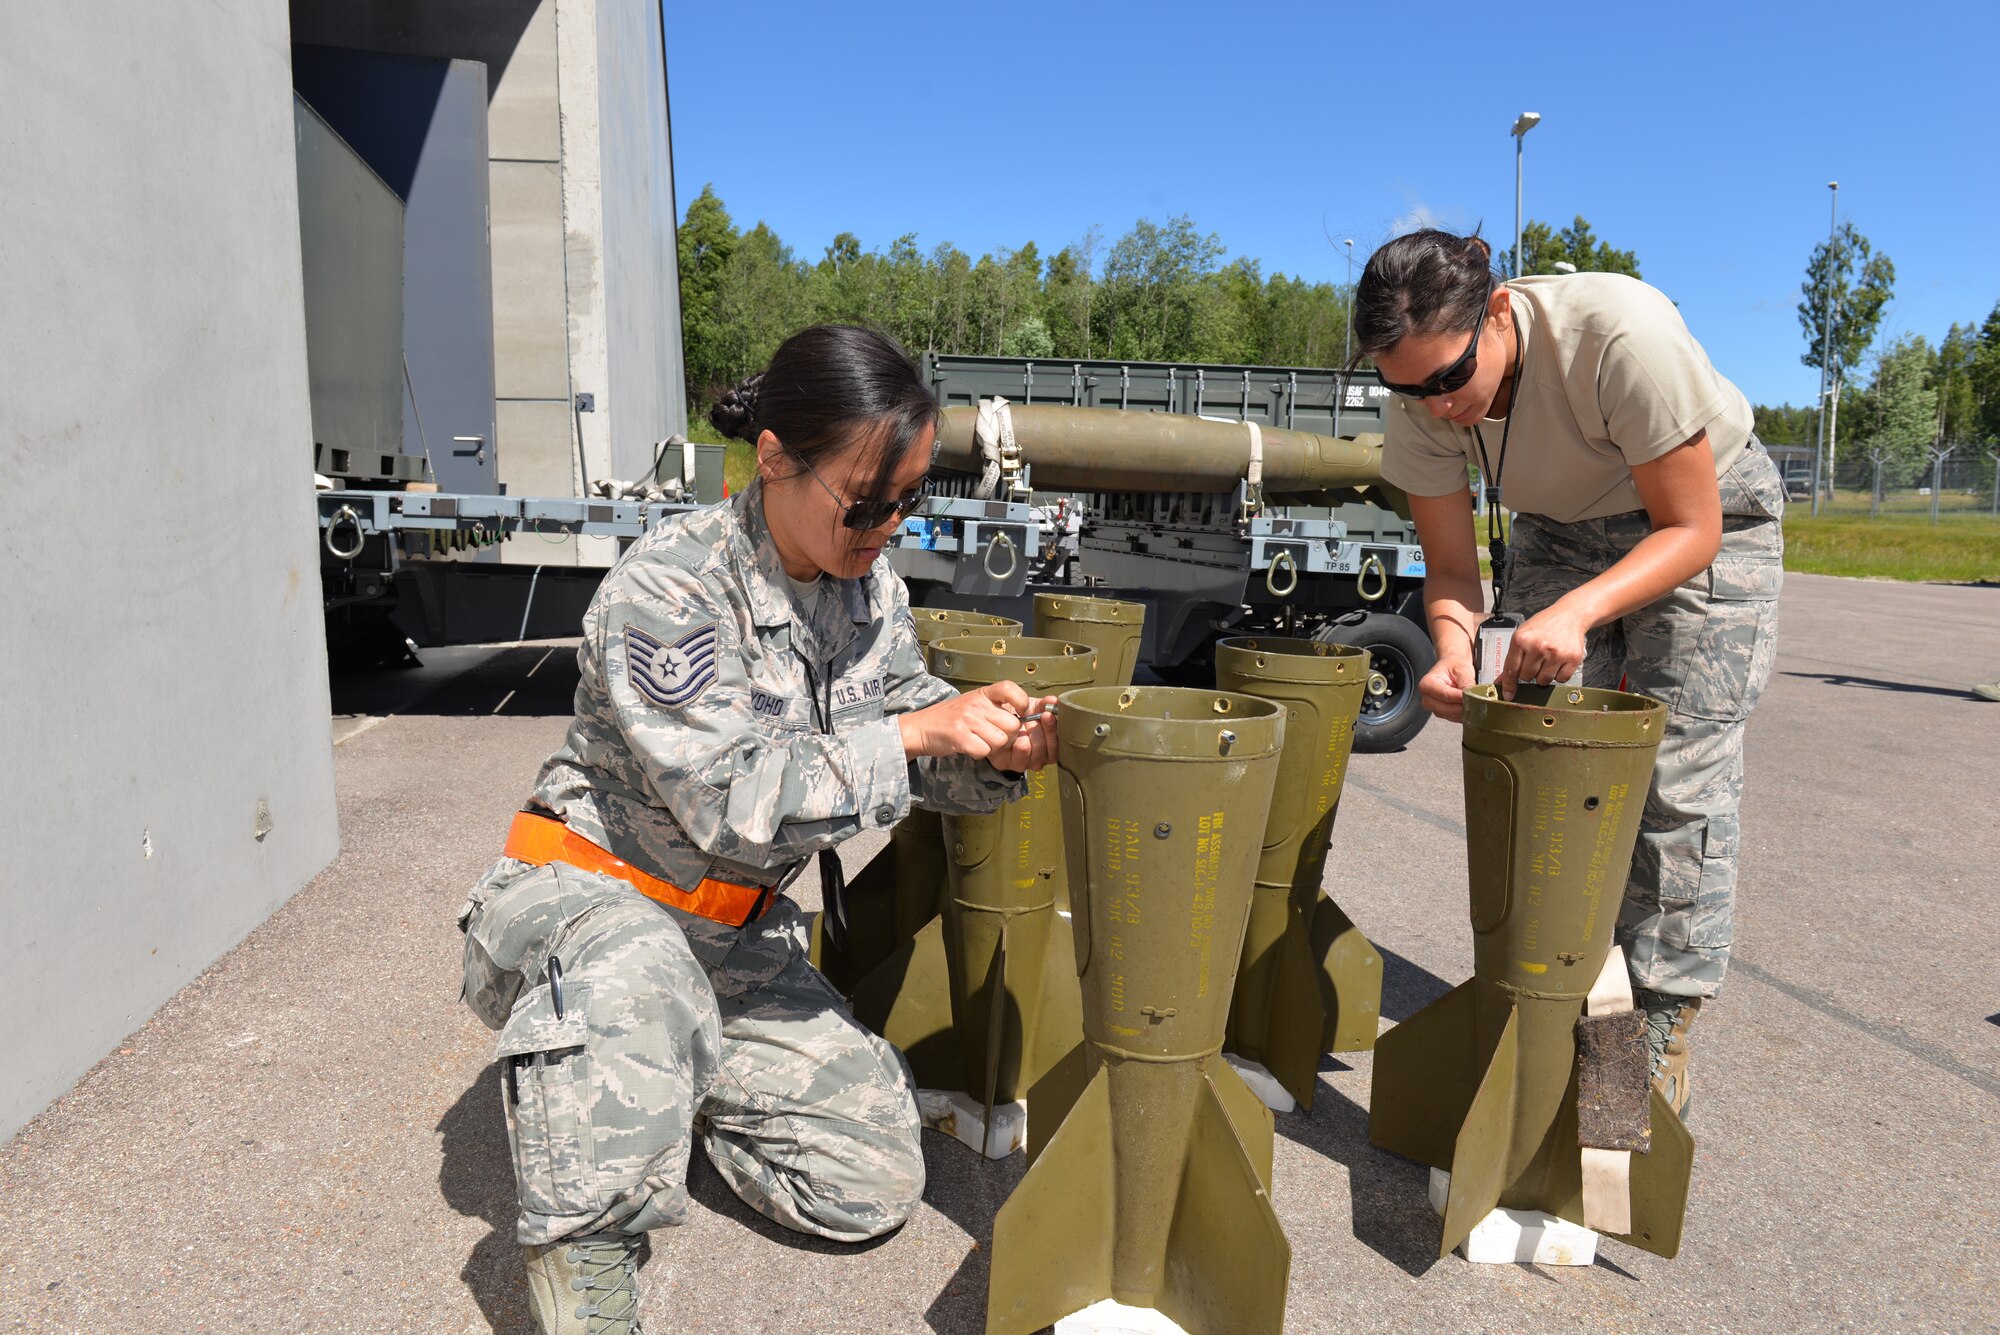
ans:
x=1113 y=449
x=1309 y=981
x=1111 y=626
x=1483 y=1081
x=901 y=887
x=984 y=998
x=1154 y=1188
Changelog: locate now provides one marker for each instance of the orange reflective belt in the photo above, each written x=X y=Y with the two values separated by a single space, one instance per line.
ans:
x=540 y=840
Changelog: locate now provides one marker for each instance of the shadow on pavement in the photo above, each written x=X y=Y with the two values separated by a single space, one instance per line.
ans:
x=961 y=1308
x=1881 y=684
x=530 y=680
x=1390 y=1200
x=707 y=1186
x=968 y=1189
x=476 y=1179
x=1407 y=988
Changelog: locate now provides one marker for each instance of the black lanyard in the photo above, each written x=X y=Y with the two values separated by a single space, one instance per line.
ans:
x=1496 y=545
x=832 y=879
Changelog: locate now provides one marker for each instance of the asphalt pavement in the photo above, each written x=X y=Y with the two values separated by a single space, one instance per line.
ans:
x=309 y=1138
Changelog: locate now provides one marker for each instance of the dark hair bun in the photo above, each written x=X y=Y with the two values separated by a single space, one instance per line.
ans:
x=735 y=413
x=1425 y=282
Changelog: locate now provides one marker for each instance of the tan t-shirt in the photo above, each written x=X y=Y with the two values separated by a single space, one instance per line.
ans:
x=1610 y=377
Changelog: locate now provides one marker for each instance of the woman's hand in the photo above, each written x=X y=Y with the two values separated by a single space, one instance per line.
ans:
x=1035 y=745
x=985 y=724
x=1548 y=648
x=1443 y=686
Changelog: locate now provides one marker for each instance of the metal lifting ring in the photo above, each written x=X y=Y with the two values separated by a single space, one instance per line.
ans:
x=1373 y=566
x=1001 y=540
x=1283 y=558
x=345 y=515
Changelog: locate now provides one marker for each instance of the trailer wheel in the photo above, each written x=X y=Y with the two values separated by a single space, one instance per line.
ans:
x=1402 y=653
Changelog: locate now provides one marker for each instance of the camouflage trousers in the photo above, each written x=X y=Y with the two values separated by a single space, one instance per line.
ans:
x=672 y=1027
x=1705 y=649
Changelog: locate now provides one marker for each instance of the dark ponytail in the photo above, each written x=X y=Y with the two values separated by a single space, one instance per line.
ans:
x=1428 y=282
x=828 y=387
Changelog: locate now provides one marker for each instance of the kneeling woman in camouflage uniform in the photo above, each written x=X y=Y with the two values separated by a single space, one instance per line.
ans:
x=752 y=694
x=1646 y=549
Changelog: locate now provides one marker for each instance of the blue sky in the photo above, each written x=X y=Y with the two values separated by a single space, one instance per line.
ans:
x=1701 y=136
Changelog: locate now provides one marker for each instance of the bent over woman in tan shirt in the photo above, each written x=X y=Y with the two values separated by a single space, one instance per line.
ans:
x=1646 y=549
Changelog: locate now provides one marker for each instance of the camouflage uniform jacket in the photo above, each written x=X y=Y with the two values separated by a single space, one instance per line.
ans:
x=724 y=730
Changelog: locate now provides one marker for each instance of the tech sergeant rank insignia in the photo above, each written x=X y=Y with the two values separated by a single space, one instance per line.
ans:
x=673 y=674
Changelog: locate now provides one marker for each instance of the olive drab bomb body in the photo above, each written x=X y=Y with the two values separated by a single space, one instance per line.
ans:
x=1154 y=1188
x=901 y=887
x=1073 y=448
x=1309 y=981
x=984 y=998
x=1111 y=626
x=1483 y=1081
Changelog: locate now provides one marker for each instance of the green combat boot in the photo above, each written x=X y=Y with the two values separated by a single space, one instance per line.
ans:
x=585 y=1286
x=1668 y=1020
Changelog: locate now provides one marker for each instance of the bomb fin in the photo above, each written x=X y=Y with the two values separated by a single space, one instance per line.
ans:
x=1479 y=1156
x=1424 y=1080
x=1228 y=1260
x=1052 y=1240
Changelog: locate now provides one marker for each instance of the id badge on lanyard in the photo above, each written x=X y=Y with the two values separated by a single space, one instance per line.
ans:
x=1489 y=649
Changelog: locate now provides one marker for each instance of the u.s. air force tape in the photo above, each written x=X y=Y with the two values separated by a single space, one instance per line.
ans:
x=672 y=674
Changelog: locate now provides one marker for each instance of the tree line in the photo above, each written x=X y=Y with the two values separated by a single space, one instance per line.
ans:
x=1910 y=397
x=1161 y=292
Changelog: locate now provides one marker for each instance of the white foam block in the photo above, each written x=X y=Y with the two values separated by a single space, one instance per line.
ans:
x=1110 y=1318
x=1509 y=1237
x=957 y=1114
x=1262 y=1083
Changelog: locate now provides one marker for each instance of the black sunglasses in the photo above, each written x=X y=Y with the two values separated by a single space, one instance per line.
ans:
x=865 y=515
x=1452 y=378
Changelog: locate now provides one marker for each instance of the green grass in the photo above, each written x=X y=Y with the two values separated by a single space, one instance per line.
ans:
x=1965 y=547
x=1962 y=548
x=739 y=465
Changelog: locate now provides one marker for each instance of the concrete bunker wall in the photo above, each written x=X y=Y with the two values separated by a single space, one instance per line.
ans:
x=170 y=775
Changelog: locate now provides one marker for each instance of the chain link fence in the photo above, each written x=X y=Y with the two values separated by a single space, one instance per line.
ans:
x=1941 y=486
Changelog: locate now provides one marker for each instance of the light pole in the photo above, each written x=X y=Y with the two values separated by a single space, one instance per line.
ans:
x=1347 y=338
x=1527 y=121
x=1826 y=342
